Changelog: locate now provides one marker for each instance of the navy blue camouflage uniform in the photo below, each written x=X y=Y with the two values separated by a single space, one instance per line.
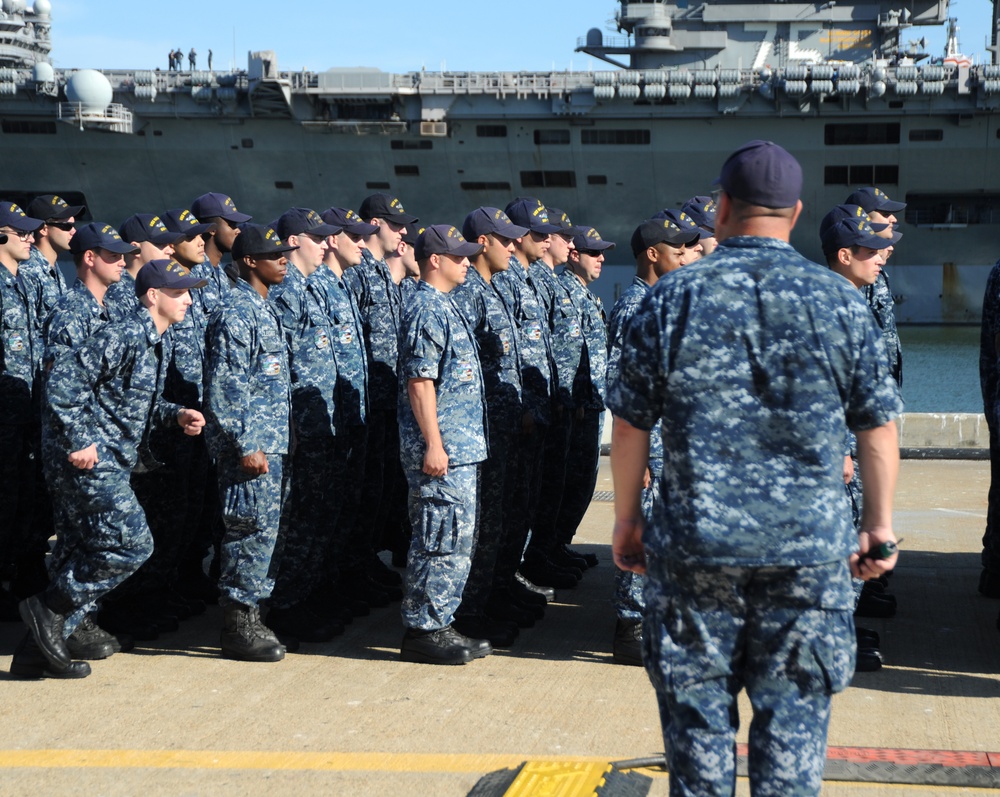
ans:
x=627 y=598
x=107 y=392
x=247 y=407
x=348 y=548
x=579 y=351
x=438 y=345
x=758 y=362
x=496 y=339
x=518 y=290
x=309 y=516
x=379 y=304
x=20 y=362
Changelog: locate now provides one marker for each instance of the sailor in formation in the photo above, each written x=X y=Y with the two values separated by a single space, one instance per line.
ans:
x=444 y=388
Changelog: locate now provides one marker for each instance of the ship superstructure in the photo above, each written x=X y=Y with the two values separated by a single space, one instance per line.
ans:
x=845 y=86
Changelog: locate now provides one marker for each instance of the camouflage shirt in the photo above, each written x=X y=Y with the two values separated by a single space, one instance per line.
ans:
x=879 y=298
x=579 y=344
x=45 y=283
x=247 y=393
x=378 y=301
x=214 y=295
x=108 y=392
x=545 y=284
x=120 y=300
x=621 y=315
x=758 y=362
x=438 y=345
x=534 y=339
x=351 y=398
x=76 y=316
x=20 y=351
x=496 y=338
x=299 y=304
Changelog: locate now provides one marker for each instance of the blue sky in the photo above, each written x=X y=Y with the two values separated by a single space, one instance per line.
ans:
x=393 y=35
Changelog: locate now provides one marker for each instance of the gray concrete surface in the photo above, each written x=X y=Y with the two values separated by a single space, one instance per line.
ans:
x=346 y=718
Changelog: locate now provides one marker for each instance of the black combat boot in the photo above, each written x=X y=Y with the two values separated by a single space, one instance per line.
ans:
x=90 y=641
x=46 y=626
x=246 y=638
x=29 y=662
x=627 y=647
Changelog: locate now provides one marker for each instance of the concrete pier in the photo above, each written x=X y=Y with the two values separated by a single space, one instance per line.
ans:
x=347 y=718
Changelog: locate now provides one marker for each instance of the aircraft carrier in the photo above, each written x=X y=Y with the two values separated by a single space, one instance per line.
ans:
x=845 y=86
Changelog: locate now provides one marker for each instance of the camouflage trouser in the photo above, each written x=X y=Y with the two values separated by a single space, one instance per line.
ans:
x=784 y=633
x=572 y=456
x=308 y=520
x=628 y=600
x=172 y=497
x=251 y=512
x=103 y=537
x=496 y=478
x=854 y=499
x=348 y=546
x=443 y=514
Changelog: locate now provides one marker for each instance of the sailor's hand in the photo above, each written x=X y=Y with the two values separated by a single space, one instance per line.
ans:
x=877 y=553
x=626 y=546
x=191 y=421
x=85 y=458
x=436 y=461
x=255 y=464
x=848 y=469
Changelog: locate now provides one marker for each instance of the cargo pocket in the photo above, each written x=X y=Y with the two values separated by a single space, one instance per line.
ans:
x=440 y=506
x=239 y=511
x=824 y=660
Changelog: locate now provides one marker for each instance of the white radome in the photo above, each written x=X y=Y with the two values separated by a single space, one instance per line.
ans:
x=42 y=8
x=90 y=89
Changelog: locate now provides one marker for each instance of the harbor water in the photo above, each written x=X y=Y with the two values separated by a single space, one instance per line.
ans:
x=941 y=368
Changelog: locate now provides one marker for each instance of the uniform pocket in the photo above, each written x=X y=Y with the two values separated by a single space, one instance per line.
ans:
x=440 y=506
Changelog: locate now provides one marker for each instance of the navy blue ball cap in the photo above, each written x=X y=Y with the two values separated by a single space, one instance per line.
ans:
x=762 y=173
x=529 y=212
x=702 y=211
x=298 y=221
x=256 y=240
x=443 y=239
x=50 y=207
x=661 y=231
x=852 y=232
x=412 y=234
x=98 y=235
x=855 y=212
x=872 y=198
x=588 y=238
x=212 y=205
x=12 y=216
x=561 y=219
x=490 y=221
x=184 y=220
x=348 y=220
x=386 y=207
x=165 y=273
x=142 y=227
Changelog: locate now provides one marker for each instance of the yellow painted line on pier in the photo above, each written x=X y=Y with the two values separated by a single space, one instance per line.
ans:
x=245 y=759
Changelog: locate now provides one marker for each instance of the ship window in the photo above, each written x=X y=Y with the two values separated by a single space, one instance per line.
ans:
x=407 y=171
x=886 y=175
x=157 y=133
x=548 y=179
x=377 y=186
x=927 y=134
x=491 y=131
x=836 y=175
x=485 y=186
x=552 y=136
x=285 y=185
x=398 y=143
x=246 y=143
x=623 y=137
x=849 y=134
x=421 y=144
x=960 y=208
x=597 y=179
x=28 y=127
